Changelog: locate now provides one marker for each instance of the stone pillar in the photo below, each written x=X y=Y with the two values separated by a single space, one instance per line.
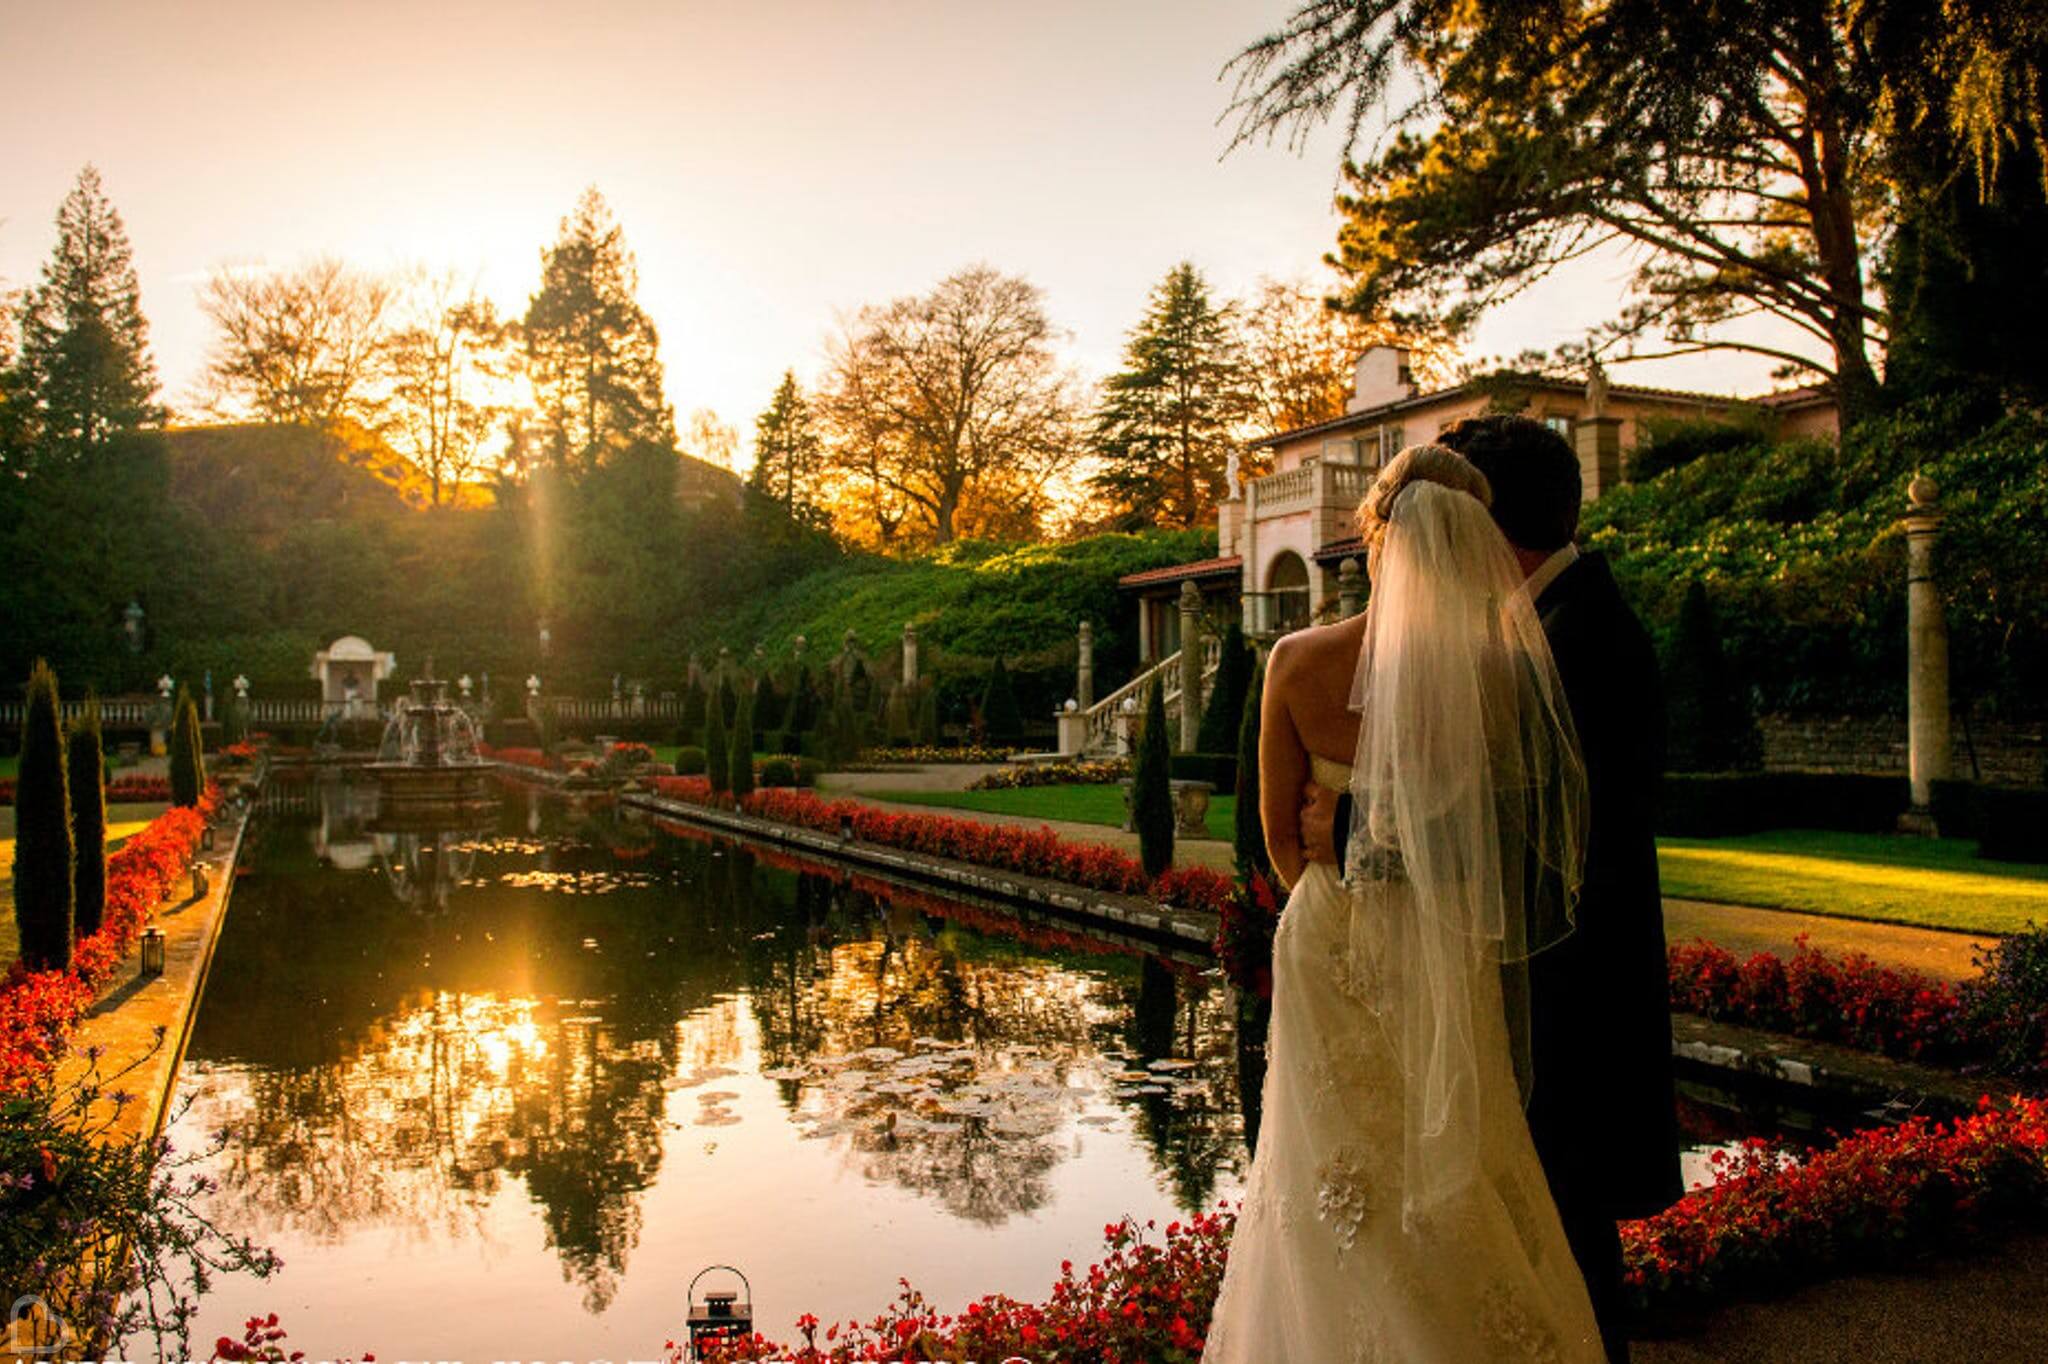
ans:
x=909 y=656
x=1599 y=448
x=1927 y=737
x=1190 y=666
x=1144 y=633
x=724 y=667
x=1350 y=588
x=1248 y=547
x=1084 y=672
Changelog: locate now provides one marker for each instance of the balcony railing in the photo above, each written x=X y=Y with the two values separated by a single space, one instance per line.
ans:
x=1320 y=484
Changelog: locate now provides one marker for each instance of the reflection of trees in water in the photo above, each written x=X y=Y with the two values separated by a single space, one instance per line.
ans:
x=1195 y=1128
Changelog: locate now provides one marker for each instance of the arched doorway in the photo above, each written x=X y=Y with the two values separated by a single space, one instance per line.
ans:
x=1286 y=593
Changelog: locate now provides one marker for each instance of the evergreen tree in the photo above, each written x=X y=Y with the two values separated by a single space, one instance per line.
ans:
x=44 y=865
x=592 y=353
x=1169 y=420
x=740 y=765
x=803 y=702
x=188 y=756
x=789 y=453
x=85 y=374
x=693 y=706
x=717 y=751
x=1248 y=832
x=728 y=703
x=847 y=736
x=1224 y=715
x=927 y=712
x=767 y=703
x=1001 y=721
x=1152 y=785
x=86 y=775
x=1712 y=728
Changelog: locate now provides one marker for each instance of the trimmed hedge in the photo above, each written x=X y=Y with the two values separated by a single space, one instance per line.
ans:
x=1218 y=769
x=691 y=761
x=1720 y=804
x=2010 y=823
x=86 y=768
x=44 y=865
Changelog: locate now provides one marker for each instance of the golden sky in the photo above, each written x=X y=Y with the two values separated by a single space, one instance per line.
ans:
x=774 y=163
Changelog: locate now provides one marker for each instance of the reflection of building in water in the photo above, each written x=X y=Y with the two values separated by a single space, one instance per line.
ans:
x=423 y=868
x=342 y=838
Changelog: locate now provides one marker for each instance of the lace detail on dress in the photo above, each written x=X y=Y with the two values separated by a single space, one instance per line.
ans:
x=1367 y=1337
x=1344 y=1195
x=1515 y=1332
x=1354 y=979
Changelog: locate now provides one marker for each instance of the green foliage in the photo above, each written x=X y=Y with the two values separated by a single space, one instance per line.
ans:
x=188 y=756
x=728 y=702
x=927 y=713
x=44 y=865
x=897 y=719
x=2010 y=1003
x=1001 y=721
x=718 y=751
x=1224 y=714
x=740 y=760
x=1667 y=443
x=1248 y=835
x=778 y=771
x=789 y=454
x=691 y=761
x=693 y=705
x=1152 y=785
x=85 y=766
x=767 y=702
x=803 y=701
x=1169 y=420
x=1712 y=728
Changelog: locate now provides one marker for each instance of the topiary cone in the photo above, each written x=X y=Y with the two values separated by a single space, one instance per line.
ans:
x=44 y=864
x=1152 y=786
x=85 y=765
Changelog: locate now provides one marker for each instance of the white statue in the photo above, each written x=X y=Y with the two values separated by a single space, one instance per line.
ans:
x=241 y=686
x=1596 y=392
x=533 y=684
x=1230 y=470
x=463 y=684
x=165 y=685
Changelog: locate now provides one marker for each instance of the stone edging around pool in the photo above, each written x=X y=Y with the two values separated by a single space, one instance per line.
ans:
x=1126 y=912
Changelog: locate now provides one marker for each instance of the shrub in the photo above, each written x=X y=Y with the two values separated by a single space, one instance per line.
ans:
x=807 y=771
x=1225 y=711
x=2008 y=1004
x=740 y=763
x=717 y=751
x=927 y=713
x=1152 y=786
x=1673 y=443
x=44 y=864
x=1218 y=769
x=1065 y=772
x=188 y=762
x=778 y=772
x=1001 y=721
x=1715 y=805
x=1248 y=834
x=690 y=761
x=1712 y=726
x=2012 y=823
x=86 y=775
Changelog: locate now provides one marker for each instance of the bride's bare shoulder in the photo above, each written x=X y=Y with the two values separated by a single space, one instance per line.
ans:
x=1316 y=647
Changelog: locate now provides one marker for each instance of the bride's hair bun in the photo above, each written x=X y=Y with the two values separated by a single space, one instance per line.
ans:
x=1417 y=464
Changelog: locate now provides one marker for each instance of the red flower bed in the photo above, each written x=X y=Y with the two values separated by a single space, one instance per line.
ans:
x=1850 y=1000
x=132 y=790
x=518 y=757
x=1027 y=852
x=37 y=1009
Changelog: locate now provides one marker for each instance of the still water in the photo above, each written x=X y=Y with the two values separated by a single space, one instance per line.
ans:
x=499 y=1093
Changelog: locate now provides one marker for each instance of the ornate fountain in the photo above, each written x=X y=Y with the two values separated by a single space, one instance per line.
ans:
x=428 y=769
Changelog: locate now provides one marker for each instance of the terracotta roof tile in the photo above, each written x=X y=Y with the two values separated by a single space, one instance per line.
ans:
x=1173 y=573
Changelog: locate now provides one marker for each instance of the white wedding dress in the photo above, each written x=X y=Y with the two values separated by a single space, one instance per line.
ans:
x=1377 y=1227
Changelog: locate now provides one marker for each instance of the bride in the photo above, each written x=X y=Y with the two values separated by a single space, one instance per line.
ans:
x=1395 y=1209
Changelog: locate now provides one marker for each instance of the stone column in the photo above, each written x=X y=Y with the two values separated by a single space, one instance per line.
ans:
x=1927 y=736
x=909 y=657
x=1084 y=672
x=1248 y=547
x=724 y=667
x=1190 y=666
x=1350 y=588
x=1599 y=449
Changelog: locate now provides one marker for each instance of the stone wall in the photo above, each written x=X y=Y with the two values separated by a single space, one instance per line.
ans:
x=2004 y=751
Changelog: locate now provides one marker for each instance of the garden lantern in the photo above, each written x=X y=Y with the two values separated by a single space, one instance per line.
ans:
x=845 y=827
x=206 y=838
x=152 y=952
x=723 y=1315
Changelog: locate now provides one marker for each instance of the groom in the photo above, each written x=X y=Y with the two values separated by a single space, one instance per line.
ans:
x=1603 y=1112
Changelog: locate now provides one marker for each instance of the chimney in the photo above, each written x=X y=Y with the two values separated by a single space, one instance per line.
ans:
x=1382 y=378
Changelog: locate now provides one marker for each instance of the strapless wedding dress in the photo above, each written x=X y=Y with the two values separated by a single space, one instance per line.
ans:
x=1321 y=1270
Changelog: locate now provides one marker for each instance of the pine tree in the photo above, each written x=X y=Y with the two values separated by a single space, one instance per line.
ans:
x=740 y=765
x=44 y=866
x=789 y=453
x=1711 y=725
x=86 y=775
x=1169 y=420
x=1152 y=785
x=717 y=751
x=1001 y=721
x=85 y=373
x=592 y=353
x=188 y=760
x=1224 y=716
x=1249 y=830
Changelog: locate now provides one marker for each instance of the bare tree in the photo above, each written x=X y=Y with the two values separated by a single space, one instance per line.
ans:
x=707 y=438
x=302 y=345
x=931 y=400
x=1301 y=353
x=448 y=367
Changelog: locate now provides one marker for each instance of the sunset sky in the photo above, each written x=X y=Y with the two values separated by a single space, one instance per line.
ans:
x=773 y=164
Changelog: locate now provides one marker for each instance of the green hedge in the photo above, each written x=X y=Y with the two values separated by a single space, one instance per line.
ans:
x=2010 y=823
x=1218 y=769
x=1722 y=804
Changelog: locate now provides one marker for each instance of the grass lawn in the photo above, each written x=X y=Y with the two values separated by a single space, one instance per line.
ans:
x=1084 y=804
x=122 y=820
x=1934 y=883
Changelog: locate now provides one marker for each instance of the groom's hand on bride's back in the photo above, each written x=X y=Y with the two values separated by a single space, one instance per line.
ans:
x=1319 y=806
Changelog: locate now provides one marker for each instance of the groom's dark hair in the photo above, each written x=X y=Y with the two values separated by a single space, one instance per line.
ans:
x=1535 y=477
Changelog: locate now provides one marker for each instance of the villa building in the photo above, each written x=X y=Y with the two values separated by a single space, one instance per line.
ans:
x=1282 y=538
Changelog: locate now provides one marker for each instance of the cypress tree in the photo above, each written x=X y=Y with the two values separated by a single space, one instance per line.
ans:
x=740 y=763
x=1001 y=721
x=803 y=702
x=86 y=773
x=188 y=760
x=693 y=706
x=1152 y=785
x=717 y=751
x=1711 y=725
x=728 y=704
x=767 y=708
x=1224 y=716
x=44 y=889
x=1249 y=831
